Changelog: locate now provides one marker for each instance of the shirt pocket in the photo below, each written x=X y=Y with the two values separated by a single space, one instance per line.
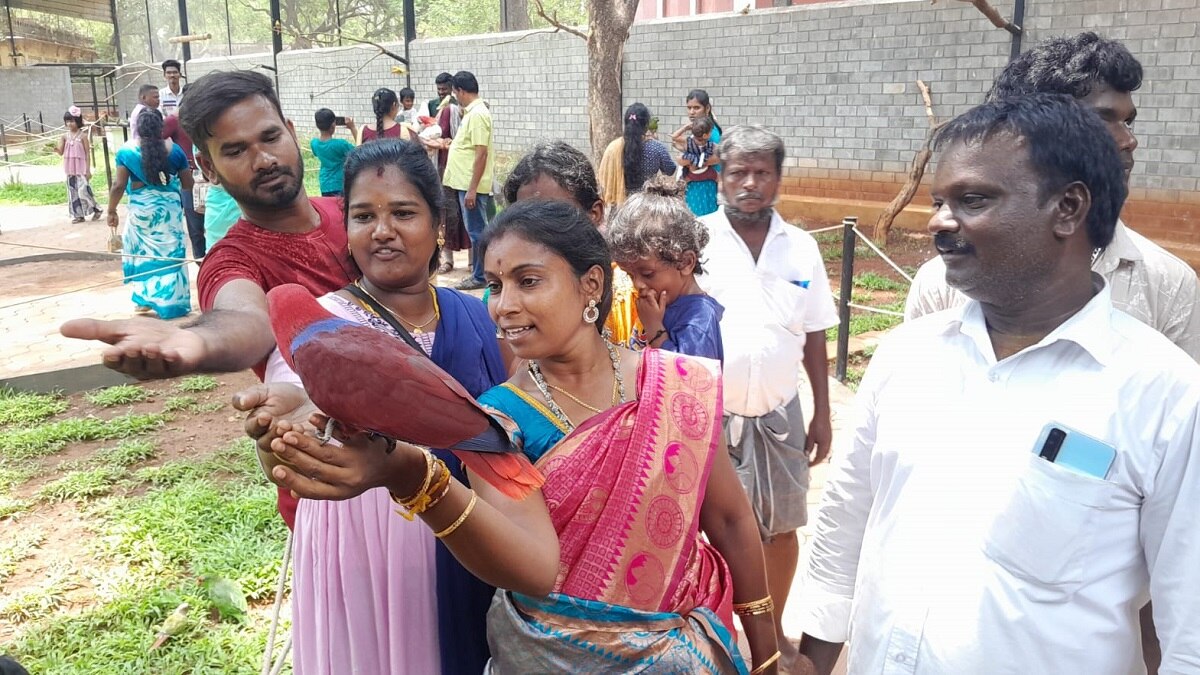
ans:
x=786 y=301
x=1042 y=536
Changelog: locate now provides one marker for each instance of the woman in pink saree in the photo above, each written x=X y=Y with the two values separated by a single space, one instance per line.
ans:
x=621 y=581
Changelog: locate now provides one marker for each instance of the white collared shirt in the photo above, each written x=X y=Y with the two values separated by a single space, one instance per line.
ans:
x=945 y=545
x=168 y=101
x=1146 y=281
x=770 y=306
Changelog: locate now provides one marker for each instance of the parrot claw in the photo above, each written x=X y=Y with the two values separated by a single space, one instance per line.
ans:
x=327 y=434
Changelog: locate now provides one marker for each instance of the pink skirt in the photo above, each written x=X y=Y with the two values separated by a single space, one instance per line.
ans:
x=363 y=590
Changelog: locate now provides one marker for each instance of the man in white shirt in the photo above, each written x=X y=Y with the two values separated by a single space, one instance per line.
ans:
x=171 y=95
x=770 y=278
x=147 y=98
x=945 y=544
x=1146 y=281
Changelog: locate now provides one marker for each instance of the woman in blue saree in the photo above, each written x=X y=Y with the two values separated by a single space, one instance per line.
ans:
x=153 y=171
x=372 y=592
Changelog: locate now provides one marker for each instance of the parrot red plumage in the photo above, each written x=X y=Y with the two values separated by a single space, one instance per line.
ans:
x=371 y=381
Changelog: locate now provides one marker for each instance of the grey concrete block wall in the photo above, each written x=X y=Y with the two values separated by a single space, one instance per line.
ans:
x=1165 y=36
x=28 y=91
x=838 y=83
x=837 y=80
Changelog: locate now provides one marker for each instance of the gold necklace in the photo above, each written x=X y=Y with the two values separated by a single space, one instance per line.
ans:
x=571 y=396
x=417 y=329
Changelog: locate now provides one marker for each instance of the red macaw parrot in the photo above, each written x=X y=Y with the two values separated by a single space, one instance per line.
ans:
x=370 y=381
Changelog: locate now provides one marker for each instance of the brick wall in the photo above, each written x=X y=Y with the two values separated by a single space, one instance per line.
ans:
x=837 y=80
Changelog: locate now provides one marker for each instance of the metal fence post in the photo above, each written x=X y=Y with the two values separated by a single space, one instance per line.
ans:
x=4 y=141
x=847 y=286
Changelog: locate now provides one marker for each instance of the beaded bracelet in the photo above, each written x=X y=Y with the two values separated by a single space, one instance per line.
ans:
x=754 y=607
x=762 y=667
x=461 y=519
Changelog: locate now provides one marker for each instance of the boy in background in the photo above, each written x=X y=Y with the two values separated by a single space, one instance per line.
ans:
x=331 y=152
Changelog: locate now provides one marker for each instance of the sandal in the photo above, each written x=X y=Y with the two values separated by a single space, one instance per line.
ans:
x=143 y=310
x=445 y=268
x=95 y=215
x=77 y=220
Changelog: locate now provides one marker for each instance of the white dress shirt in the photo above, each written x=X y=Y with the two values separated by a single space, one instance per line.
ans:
x=945 y=545
x=1146 y=281
x=770 y=305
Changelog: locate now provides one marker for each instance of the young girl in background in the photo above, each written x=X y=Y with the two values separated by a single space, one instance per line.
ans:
x=76 y=151
x=657 y=241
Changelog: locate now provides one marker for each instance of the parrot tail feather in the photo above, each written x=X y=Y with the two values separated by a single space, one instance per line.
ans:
x=511 y=473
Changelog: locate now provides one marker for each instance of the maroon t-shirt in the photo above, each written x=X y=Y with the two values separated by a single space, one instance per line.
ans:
x=317 y=260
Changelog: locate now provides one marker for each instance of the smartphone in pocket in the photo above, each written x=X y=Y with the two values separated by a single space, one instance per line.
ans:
x=1075 y=450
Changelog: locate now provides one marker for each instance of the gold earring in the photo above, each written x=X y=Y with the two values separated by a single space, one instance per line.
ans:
x=592 y=313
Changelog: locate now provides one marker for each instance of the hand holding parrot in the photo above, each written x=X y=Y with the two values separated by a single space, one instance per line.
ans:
x=315 y=470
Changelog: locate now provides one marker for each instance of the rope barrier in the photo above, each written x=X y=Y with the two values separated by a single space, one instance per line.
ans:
x=105 y=253
x=876 y=310
x=102 y=284
x=867 y=240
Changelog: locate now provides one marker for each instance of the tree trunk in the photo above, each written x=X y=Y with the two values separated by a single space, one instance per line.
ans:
x=608 y=28
x=514 y=15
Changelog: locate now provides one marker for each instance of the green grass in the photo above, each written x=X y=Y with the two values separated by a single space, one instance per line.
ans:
x=80 y=485
x=49 y=438
x=21 y=545
x=197 y=384
x=40 y=601
x=14 y=475
x=126 y=453
x=122 y=394
x=865 y=322
x=214 y=516
x=877 y=282
x=11 y=507
x=830 y=244
x=26 y=408
x=17 y=193
x=180 y=404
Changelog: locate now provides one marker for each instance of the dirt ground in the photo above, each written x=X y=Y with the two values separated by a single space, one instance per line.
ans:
x=194 y=435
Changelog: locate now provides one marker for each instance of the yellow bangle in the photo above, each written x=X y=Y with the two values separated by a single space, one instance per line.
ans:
x=419 y=502
x=461 y=519
x=762 y=667
x=754 y=607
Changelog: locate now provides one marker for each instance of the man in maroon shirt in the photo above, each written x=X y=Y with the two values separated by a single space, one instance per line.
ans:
x=247 y=146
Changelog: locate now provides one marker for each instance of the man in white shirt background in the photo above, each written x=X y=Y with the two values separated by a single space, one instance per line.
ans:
x=771 y=280
x=171 y=95
x=944 y=543
x=147 y=98
x=1146 y=281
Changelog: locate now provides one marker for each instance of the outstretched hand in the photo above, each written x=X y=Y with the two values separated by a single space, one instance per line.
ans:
x=144 y=348
x=336 y=471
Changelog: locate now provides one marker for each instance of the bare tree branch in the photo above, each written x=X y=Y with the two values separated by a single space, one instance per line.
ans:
x=916 y=173
x=992 y=15
x=553 y=21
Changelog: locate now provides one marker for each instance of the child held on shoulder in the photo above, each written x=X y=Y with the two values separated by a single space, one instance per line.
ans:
x=657 y=241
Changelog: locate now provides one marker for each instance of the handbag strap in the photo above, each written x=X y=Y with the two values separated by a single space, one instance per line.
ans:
x=386 y=315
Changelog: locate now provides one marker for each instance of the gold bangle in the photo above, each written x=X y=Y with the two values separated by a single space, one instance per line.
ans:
x=461 y=519
x=754 y=607
x=762 y=667
x=419 y=501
